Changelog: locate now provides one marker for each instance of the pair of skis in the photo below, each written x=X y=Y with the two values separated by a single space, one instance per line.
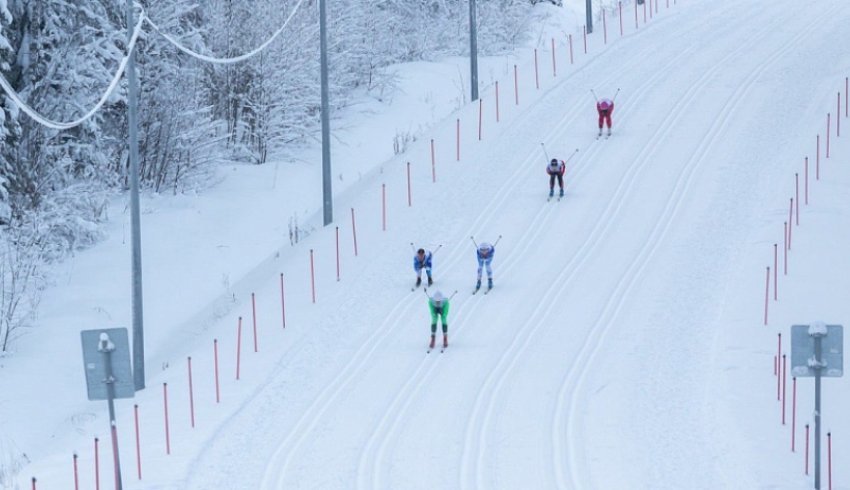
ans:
x=487 y=290
x=442 y=349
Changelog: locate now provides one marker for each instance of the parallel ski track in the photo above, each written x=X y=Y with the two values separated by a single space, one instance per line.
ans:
x=278 y=465
x=540 y=224
x=566 y=442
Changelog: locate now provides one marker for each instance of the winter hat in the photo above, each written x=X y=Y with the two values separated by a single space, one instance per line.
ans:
x=554 y=162
x=421 y=251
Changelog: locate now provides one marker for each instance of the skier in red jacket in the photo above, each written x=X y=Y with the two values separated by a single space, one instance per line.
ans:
x=604 y=107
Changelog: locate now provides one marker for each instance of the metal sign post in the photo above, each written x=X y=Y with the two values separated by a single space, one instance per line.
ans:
x=817 y=351
x=106 y=357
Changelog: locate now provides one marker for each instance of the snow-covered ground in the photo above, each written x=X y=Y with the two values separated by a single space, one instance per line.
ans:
x=624 y=344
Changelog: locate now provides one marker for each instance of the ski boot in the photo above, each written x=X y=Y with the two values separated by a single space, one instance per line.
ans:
x=609 y=131
x=431 y=345
x=600 y=133
x=445 y=340
x=551 y=192
x=430 y=281
x=478 y=285
x=562 y=193
x=489 y=283
x=418 y=281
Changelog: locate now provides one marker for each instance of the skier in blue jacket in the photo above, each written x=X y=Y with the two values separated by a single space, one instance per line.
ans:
x=422 y=260
x=485 y=253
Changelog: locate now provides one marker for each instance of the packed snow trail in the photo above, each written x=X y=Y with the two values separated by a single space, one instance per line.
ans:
x=531 y=393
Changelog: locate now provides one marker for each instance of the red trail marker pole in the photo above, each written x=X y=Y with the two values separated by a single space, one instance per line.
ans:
x=620 y=6
x=165 y=406
x=570 y=38
x=584 y=35
x=604 y=28
x=76 y=474
x=96 y=465
x=138 y=442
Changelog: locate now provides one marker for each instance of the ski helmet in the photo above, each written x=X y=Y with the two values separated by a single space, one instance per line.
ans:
x=438 y=298
x=554 y=162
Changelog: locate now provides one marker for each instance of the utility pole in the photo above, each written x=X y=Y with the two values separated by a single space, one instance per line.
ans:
x=589 y=14
x=327 y=193
x=135 y=220
x=473 y=50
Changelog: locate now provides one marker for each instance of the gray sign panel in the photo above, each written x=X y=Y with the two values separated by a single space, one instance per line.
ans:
x=94 y=360
x=803 y=350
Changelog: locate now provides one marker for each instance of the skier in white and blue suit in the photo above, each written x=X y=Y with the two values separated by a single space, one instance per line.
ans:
x=422 y=260
x=485 y=254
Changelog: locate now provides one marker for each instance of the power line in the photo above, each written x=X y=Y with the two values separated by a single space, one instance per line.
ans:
x=43 y=120
x=235 y=59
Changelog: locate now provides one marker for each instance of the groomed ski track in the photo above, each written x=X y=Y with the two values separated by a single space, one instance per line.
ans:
x=568 y=323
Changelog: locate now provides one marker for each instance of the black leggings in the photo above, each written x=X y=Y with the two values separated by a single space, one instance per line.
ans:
x=552 y=181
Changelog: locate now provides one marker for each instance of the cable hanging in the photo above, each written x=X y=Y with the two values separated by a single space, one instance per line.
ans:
x=235 y=59
x=16 y=98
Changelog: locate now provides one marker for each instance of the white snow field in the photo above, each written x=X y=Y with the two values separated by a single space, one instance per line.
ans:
x=624 y=345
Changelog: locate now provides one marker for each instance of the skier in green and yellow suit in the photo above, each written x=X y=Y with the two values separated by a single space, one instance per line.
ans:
x=439 y=307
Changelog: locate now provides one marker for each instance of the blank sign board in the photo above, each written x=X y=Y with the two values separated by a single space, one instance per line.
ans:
x=94 y=361
x=803 y=350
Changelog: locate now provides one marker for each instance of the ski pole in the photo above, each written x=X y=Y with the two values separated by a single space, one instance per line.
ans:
x=571 y=156
x=438 y=248
x=497 y=241
x=473 y=242
x=545 y=153
x=615 y=95
x=412 y=247
x=452 y=296
x=594 y=95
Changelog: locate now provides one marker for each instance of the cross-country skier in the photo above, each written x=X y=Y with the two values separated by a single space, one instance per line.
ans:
x=485 y=254
x=605 y=107
x=439 y=307
x=556 y=169
x=422 y=260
